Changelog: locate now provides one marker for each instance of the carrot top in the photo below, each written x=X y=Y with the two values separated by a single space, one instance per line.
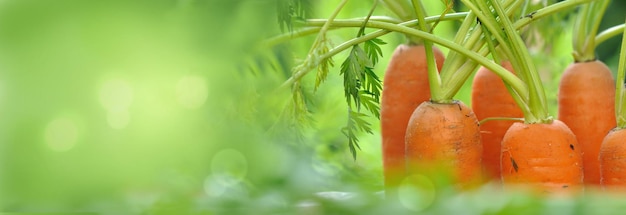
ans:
x=586 y=29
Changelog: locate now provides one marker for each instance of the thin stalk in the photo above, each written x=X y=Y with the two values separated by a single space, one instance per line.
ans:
x=458 y=68
x=586 y=29
x=331 y=18
x=460 y=37
x=599 y=10
x=489 y=22
x=311 y=61
x=609 y=33
x=549 y=10
x=315 y=26
x=580 y=32
x=474 y=43
x=340 y=22
x=620 y=88
x=398 y=8
x=554 y=8
x=515 y=83
x=537 y=99
x=433 y=76
x=483 y=121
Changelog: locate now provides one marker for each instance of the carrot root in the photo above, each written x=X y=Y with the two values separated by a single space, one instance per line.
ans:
x=587 y=106
x=545 y=157
x=405 y=86
x=444 y=139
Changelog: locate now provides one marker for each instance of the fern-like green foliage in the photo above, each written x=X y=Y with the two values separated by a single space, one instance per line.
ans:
x=324 y=64
x=372 y=48
x=288 y=10
x=362 y=88
x=356 y=122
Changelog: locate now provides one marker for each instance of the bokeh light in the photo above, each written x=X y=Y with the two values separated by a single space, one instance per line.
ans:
x=61 y=134
x=191 y=91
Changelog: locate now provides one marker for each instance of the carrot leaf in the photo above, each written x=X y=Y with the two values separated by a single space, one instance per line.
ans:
x=370 y=102
x=288 y=10
x=324 y=63
x=358 y=74
x=373 y=50
x=356 y=122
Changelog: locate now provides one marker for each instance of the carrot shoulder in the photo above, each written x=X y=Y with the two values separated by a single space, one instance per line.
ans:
x=587 y=106
x=545 y=156
x=405 y=86
x=490 y=98
x=444 y=137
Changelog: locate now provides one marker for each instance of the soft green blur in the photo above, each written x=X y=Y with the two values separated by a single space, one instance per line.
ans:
x=117 y=106
x=171 y=107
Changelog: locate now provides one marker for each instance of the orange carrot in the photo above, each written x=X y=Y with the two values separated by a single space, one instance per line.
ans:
x=543 y=155
x=444 y=137
x=613 y=160
x=405 y=86
x=587 y=106
x=490 y=98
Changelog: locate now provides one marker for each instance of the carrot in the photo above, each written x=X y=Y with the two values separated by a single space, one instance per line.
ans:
x=612 y=155
x=490 y=98
x=543 y=155
x=587 y=106
x=405 y=86
x=613 y=159
x=444 y=137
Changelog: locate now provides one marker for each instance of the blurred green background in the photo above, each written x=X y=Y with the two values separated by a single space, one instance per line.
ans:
x=152 y=107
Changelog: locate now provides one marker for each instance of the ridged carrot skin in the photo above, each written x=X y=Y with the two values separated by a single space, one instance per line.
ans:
x=587 y=106
x=490 y=98
x=546 y=157
x=444 y=137
x=613 y=160
x=405 y=86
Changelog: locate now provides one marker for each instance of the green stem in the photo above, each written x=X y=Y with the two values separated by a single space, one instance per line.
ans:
x=310 y=62
x=398 y=8
x=340 y=22
x=554 y=8
x=537 y=100
x=620 y=91
x=580 y=32
x=331 y=18
x=549 y=10
x=474 y=43
x=499 y=70
x=586 y=29
x=367 y=19
x=515 y=83
x=458 y=68
x=345 y=23
x=433 y=76
x=609 y=33
x=483 y=121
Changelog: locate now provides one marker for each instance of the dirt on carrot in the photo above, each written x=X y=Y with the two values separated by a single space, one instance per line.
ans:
x=490 y=98
x=444 y=138
x=544 y=156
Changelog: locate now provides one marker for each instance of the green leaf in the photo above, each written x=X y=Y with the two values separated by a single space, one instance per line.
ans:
x=356 y=123
x=373 y=50
x=372 y=83
x=351 y=70
x=325 y=64
x=288 y=10
x=370 y=102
